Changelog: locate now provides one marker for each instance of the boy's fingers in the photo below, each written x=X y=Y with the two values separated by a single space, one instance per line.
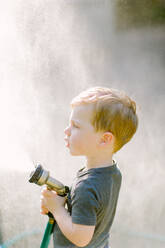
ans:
x=44 y=188
x=44 y=211
x=46 y=192
x=42 y=200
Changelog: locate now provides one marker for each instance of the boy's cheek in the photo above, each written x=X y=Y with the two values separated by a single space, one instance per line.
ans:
x=75 y=150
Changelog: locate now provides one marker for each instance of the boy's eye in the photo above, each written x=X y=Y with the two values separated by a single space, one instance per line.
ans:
x=74 y=125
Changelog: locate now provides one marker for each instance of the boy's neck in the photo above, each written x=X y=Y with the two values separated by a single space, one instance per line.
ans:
x=96 y=162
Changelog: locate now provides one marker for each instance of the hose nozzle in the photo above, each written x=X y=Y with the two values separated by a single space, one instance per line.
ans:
x=40 y=177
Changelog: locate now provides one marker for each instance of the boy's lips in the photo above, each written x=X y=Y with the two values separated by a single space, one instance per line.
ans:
x=66 y=142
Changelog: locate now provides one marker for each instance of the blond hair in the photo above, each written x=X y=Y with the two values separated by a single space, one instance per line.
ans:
x=113 y=111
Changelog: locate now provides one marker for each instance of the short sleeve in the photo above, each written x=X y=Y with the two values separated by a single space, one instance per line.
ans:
x=85 y=204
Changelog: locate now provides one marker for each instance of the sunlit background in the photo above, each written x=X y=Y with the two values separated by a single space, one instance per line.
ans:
x=49 y=52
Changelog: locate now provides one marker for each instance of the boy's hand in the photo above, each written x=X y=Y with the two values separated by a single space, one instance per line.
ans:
x=51 y=202
x=80 y=235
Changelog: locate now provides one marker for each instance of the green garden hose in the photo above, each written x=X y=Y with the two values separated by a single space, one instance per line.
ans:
x=47 y=233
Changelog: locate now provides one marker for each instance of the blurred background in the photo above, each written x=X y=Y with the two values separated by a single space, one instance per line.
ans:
x=49 y=52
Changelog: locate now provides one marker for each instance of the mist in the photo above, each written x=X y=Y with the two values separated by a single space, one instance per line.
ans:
x=50 y=51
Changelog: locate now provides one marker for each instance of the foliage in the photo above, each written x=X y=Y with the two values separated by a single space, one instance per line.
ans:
x=135 y=13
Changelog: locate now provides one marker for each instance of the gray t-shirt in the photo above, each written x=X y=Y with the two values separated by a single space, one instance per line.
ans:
x=94 y=196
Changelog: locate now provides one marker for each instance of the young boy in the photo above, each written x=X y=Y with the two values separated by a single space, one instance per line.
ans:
x=101 y=122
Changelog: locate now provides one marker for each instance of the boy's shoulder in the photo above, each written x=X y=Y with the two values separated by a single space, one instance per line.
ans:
x=98 y=172
x=98 y=178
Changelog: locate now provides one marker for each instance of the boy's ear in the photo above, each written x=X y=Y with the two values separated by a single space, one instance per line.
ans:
x=106 y=138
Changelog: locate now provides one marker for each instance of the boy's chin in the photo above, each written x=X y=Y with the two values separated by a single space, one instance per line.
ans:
x=75 y=153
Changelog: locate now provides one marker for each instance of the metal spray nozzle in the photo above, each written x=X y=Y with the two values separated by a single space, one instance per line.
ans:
x=40 y=177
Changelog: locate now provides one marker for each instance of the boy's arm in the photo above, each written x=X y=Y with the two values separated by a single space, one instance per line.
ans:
x=80 y=235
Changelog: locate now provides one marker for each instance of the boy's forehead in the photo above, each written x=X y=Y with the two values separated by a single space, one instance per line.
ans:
x=82 y=112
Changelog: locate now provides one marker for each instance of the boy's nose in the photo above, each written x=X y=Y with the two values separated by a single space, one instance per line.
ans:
x=67 y=131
